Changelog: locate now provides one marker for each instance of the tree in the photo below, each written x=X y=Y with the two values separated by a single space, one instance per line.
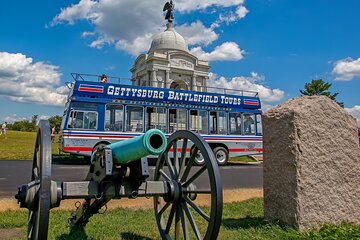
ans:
x=23 y=126
x=55 y=121
x=34 y=120
x=318 y=87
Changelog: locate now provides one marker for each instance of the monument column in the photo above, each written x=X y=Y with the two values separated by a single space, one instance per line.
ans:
x=153 y=78
x=193 y=85
x=167 y=79
x=205 y=83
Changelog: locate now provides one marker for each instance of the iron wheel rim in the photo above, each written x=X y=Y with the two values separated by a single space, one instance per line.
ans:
x=181 y=209
x=38 y=218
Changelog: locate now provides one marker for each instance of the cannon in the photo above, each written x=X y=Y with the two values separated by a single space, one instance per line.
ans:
x=120 y=170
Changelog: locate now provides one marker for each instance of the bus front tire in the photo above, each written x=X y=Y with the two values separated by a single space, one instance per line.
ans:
x=221 y=155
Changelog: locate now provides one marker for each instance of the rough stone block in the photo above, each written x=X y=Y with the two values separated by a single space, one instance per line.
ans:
x=311 y=163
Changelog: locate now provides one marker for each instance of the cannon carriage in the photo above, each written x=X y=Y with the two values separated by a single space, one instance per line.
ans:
x=120 y=170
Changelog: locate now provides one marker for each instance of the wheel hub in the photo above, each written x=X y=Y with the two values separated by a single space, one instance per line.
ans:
x=175 y=191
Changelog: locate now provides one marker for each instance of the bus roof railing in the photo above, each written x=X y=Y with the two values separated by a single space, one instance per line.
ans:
x=96 y=78
x=148 y=83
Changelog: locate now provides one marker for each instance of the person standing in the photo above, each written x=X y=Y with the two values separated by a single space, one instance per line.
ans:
x=53 y=134
x=3 y=129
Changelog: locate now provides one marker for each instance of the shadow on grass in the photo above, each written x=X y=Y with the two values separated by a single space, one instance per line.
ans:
x=75 y=233
x=132 y=236
x=245 y=223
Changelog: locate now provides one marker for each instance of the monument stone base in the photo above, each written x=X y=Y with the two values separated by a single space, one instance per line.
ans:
x=311 y=163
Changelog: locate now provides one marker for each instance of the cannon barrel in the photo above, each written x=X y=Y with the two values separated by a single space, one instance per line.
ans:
x=153 y=142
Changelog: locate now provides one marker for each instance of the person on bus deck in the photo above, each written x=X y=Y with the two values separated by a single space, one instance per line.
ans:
x=103 y=78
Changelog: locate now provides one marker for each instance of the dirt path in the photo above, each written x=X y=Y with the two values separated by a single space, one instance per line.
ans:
x=237 y=195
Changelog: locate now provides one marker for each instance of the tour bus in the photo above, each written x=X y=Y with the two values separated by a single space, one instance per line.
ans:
x=99 y=113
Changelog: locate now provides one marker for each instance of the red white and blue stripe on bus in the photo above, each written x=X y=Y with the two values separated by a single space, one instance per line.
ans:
x=253 y=102
x=122 y=136
x=91 y=88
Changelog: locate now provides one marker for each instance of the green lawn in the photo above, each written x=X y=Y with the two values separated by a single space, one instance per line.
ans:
x=242 y=159
x=241 y=220
x=17 y=145
x=20 y=146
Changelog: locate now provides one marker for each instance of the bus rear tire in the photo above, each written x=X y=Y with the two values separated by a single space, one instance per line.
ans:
x=221 y=155
x=199 y=159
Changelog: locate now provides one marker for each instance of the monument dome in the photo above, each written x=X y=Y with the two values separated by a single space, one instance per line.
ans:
x=168 y=40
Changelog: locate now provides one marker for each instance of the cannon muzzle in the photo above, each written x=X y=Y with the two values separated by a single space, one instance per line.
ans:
x=153 y=142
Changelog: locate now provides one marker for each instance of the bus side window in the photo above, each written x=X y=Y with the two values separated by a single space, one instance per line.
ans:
x=249 y=124
x=71 y=119
x=156 y=118
x=92 y=120
x=177 y=119
x=218 y=123
x=222 y=123
x=199 y=121
x=235 y=123
x=134 y=118
x=79 y=120
x=82 y=120
x=114 y=117
x=213 y=123
x=258 y=124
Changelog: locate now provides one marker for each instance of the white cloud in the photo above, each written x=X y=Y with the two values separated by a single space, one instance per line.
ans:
x=242 y=12
x=250 y=83
x=355 y=112
x=122 y=23
x=196 y=33
x=130 y=25
x=23 y=80
x=230 y=17
x=82 y=10
x=228 y=51
x=186 y=5
x=87 y=34
x=346 y=69
x=139 y=45
x=100 y=42
x=14 y=118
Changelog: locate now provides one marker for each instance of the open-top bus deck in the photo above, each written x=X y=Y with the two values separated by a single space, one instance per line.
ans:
x=97 y=114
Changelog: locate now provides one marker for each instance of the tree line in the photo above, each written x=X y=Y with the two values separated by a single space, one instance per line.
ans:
x=31 y=125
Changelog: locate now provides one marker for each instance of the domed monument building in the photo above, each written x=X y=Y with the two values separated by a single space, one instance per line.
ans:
x=169 y=64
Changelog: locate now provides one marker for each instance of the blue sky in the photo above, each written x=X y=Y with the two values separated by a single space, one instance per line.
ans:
x=272 y=46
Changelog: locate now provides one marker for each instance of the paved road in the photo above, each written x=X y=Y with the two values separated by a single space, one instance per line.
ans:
x=15 y=173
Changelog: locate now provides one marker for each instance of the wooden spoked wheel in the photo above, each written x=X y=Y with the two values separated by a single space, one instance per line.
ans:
x=192 y=207
x=38 y=220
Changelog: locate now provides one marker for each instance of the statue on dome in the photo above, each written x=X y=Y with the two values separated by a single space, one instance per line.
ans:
x=169 y=7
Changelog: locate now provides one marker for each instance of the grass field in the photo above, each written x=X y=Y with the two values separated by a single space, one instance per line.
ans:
x=17 y=145
x=241 y=220
x=242 y=159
